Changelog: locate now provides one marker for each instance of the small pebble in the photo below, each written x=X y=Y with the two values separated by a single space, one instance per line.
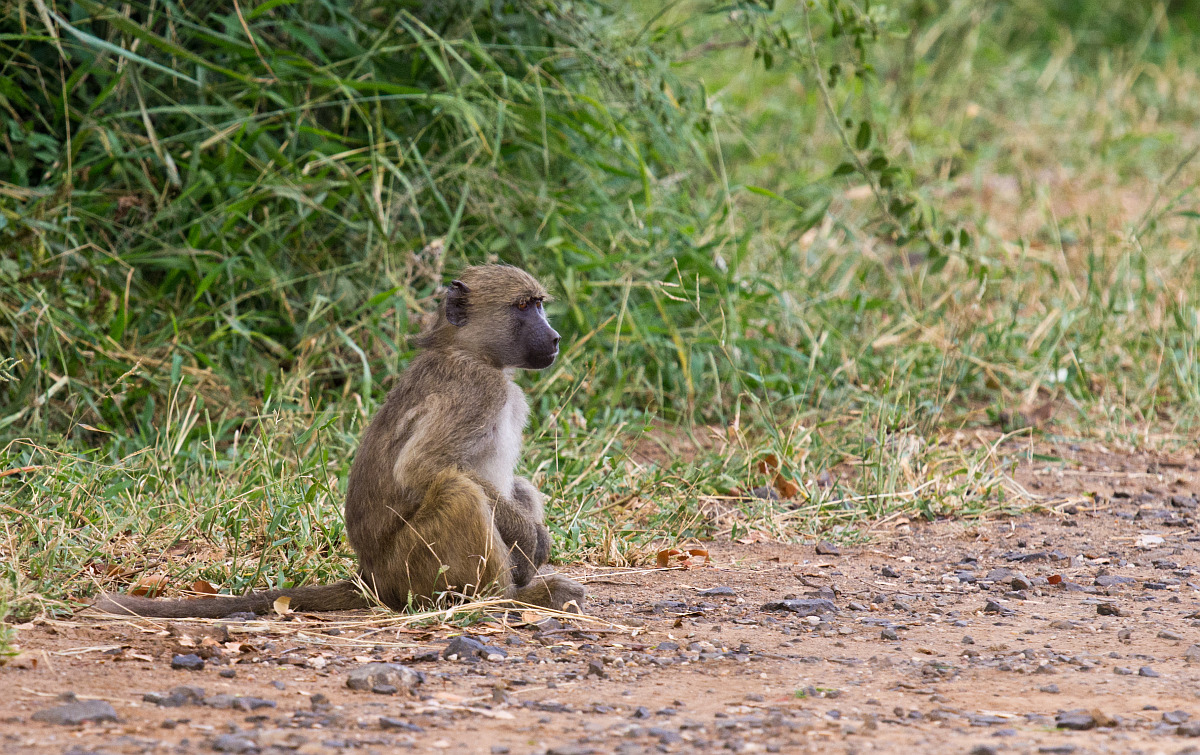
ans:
x=826 y=548
x=189 y=662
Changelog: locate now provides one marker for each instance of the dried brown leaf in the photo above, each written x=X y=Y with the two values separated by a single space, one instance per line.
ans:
x=768 y=464
x=204 y=587
x=150 y=585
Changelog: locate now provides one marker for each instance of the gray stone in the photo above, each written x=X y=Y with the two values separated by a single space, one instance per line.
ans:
x=766 y=492
x=826 y=548
x=233 y=743
x=803 y=607
x=77 y=712
x=572 y=750
x=374 y=674
x=189 y=662
x=399 y=724
x=1075 y=720
x=177 y=697
x=1147 y=671
x=717 y=592
x=465 y=647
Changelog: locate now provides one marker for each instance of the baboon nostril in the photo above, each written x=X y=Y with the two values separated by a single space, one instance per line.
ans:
x=556 y=340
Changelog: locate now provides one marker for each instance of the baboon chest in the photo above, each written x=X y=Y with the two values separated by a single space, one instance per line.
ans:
x=501 y=449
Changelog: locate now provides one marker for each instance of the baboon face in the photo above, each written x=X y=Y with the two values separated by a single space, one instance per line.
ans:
x=497 y=311
x=532 y=335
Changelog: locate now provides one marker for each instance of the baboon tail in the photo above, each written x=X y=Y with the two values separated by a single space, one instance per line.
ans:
x=339 y=596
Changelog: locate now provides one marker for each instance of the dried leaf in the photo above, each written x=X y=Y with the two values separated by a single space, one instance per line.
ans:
x=282 y=604
x=785 y=487
x=180 y=548
x=532 y=617
x=104 y=568
x=768 y=464
x=664 y=557
x=150 y=585
x=204 y=587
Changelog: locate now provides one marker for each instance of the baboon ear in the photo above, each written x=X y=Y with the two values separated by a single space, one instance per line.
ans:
x=456 y=303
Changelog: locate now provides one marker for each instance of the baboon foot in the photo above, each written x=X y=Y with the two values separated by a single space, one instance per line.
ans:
x=553 y=591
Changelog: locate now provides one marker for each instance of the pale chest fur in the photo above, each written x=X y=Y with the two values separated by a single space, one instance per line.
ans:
x=501 y=448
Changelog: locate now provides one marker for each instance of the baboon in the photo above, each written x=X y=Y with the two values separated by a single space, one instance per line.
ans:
x=433 y=503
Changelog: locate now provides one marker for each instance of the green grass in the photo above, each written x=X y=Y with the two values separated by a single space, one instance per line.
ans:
x=219 y=234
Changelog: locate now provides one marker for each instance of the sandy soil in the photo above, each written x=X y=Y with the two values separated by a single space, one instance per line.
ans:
x=930 y=647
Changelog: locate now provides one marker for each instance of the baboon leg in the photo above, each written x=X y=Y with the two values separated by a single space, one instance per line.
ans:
x=450 y=543
x=518 y=519
x=530 y=548
x=548 y=590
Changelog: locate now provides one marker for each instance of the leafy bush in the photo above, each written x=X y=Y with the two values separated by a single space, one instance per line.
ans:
x=222 y=192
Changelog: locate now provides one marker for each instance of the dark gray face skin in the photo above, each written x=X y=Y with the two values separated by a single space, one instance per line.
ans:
x=532 y=330
x=529 y=343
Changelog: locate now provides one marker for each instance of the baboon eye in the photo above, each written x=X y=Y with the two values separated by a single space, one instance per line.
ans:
x=523 y=306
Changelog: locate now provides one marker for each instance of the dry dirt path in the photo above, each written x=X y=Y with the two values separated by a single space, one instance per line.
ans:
x=1073 y=632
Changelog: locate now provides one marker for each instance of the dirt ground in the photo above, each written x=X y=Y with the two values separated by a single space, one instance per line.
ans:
x=1064 y=632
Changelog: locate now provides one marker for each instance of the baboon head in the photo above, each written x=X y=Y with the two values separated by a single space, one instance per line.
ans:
x=495 y=311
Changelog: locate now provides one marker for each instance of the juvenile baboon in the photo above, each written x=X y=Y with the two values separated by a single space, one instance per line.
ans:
x=433 y=503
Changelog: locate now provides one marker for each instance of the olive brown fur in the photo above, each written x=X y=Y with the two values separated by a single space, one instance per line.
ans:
x=433 y=503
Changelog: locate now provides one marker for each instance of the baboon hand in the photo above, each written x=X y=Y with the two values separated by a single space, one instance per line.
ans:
x=541 y=554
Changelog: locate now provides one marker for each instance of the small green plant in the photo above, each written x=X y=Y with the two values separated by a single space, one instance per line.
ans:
x=8 y=634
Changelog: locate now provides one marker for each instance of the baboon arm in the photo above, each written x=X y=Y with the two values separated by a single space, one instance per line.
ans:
x=518 y=519
x=529 y=498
